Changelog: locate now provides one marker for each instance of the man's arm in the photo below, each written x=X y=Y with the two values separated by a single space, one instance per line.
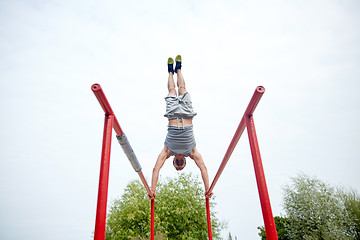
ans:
x=164 y=154
x=196 y=156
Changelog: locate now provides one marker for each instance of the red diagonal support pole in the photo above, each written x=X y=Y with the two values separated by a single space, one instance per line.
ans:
x=100 y=222
x=270 y=228
x=246 y=121
x=259 y=91
x=96 y=88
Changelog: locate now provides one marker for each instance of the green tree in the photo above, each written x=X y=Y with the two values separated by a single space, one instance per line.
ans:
x=351 y=201
x=280 y=224
x=315 y=211
x=179 y=211
x=231 y=238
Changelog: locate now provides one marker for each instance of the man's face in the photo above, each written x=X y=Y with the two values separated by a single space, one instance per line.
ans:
x=179 y=162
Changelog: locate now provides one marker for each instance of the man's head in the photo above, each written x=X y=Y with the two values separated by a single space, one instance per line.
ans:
x=179 y=162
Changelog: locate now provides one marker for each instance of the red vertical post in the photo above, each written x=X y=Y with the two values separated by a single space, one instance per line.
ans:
x=104 y=179
x=270 y=228
x=152 y=225
x=208 y=218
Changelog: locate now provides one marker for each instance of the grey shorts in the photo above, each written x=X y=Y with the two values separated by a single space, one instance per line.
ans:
x=179 y=106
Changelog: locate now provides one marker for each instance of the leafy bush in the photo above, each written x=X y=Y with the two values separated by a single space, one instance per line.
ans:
x=315 y=210
x=179 y=211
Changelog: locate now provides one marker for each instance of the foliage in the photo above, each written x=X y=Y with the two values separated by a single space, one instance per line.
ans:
x=179 y=211
x=280 y=224
x=315 y=210
x=129 y=216
x=231 y=238
x=351 y=201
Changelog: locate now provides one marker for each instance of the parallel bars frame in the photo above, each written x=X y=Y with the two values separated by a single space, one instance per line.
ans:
x=246 y=121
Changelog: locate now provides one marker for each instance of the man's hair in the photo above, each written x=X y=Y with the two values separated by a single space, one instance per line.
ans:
x=179 y=163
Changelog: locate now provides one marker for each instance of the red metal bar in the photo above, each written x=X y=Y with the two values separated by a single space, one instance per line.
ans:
x=259 y=91
x=270 y=228
x=104 y=171
x=103 y=179
x=208 y=218
x=141 y=175
x=152 y=225
x=96 y=88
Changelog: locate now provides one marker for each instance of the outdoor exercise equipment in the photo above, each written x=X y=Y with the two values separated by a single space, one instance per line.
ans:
x=248 y=121
x=112 y=123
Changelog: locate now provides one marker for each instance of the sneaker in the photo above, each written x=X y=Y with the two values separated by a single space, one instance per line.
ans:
x=178 y=63
x=170 y=65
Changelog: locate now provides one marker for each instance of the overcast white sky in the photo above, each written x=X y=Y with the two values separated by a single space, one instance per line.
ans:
x=305 y=53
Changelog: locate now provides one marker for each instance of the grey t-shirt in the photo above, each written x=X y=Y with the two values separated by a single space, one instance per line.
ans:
x=180 y=140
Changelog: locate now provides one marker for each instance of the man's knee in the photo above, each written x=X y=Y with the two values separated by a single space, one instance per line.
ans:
x=182 y=90
x=172 y=91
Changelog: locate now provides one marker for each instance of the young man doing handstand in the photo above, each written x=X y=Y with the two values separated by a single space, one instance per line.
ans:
x=180 y=140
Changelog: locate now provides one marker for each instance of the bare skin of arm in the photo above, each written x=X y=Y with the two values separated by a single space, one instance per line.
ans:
x=164 y=154
x=196 y=156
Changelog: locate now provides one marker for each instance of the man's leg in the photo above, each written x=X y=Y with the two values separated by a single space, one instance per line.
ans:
x=180 y=78
x=171 y=83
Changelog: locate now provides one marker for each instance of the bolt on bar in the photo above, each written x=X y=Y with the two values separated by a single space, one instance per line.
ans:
x=259 y=91
x=111 y=122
